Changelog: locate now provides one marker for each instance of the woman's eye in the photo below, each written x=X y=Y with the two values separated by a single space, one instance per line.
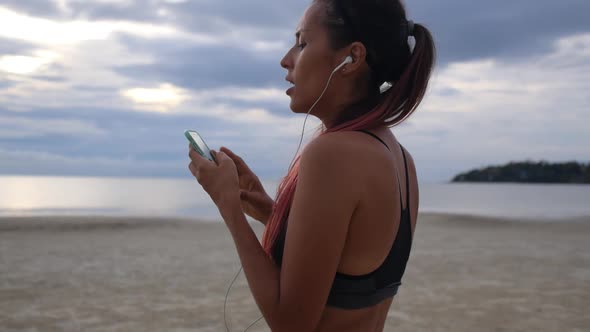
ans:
x=301 y=45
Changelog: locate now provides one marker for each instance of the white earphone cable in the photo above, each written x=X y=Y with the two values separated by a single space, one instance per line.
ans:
x=348 y=60
x=314 y=104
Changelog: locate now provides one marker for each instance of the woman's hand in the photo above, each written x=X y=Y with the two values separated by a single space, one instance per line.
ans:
x=219 y=179
x=255 y=201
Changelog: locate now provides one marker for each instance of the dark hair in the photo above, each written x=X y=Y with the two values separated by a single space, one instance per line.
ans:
x=382 y=27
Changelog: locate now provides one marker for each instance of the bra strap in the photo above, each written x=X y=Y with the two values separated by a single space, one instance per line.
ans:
x=407 y=178
x=377 y=137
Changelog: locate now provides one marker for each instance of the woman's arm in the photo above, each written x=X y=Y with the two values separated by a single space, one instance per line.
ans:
x=292 y=298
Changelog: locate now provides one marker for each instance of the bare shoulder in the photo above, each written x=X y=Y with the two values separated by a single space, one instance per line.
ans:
x=335 y=160
x=344 y=149
x=345 y=143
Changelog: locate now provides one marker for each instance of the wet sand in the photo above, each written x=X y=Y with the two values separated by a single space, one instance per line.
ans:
x=128 y=274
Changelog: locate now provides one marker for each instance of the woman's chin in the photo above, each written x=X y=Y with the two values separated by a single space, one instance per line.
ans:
x=297 y=110
x=294 y=107
x=297 y=107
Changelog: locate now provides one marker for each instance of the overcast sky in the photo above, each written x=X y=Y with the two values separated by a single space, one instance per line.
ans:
x=107 y=87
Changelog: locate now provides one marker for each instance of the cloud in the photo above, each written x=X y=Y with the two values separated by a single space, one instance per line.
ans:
x=87 y=51
x=41 y=8
x=259 y=14
x=23 y=65
x=12 y=127
x=198 y=67
x=87 y=64
x=271 y=95
x=11 y=46
x=47 y=32
x=202 y=15
x=162 y=99
x=466 y=30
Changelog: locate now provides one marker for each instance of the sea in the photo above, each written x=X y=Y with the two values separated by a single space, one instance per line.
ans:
x=184 y=198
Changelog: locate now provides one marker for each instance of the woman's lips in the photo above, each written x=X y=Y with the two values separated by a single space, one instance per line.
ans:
x=290 y=90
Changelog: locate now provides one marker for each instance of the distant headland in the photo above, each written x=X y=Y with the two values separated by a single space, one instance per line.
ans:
x=529 y=172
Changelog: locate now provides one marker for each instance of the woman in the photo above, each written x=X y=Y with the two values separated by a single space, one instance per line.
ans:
x=338 y=237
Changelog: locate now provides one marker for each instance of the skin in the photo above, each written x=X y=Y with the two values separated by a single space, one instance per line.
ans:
x=347 y=192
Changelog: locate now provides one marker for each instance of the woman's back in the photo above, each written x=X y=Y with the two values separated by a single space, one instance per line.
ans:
x=374 y=224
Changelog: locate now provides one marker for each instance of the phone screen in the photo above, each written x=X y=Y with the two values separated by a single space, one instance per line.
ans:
x=199 y=144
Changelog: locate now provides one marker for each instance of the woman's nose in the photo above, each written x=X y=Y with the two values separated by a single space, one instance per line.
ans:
x=286 y=61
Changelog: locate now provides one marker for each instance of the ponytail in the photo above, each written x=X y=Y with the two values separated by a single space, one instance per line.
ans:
x=407 y=93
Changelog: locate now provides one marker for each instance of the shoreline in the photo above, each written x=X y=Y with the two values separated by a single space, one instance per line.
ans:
x=64 y=218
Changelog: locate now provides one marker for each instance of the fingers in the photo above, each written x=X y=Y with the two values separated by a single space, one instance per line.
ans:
x=197 y=163
x=230 y=154
x=240 y=164
x=193 y=170
x=195 y=156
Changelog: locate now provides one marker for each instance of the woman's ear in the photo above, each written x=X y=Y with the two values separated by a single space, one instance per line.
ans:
x=358 y=52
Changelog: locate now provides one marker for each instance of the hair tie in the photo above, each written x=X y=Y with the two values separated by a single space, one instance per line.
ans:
x=410 y=28
x=384 y=87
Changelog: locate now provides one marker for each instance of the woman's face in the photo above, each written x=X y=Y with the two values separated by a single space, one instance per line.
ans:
x=309 y=63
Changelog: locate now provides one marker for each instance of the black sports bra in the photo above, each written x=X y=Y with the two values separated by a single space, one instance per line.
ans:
x=355 y=292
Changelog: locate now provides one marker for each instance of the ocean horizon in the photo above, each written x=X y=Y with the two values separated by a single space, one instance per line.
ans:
x=183 y=198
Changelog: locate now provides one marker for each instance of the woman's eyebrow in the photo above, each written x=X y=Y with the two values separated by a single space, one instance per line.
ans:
x=298 y=33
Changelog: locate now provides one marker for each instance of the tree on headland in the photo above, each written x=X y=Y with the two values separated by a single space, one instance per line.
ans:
x=530 y=172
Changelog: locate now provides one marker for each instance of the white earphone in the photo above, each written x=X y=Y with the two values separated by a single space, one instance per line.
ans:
x=347 y=60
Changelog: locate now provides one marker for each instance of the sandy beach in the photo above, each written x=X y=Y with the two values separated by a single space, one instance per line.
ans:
x=124 y=274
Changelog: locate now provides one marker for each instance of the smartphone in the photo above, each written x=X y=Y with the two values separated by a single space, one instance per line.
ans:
x=199 y=144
